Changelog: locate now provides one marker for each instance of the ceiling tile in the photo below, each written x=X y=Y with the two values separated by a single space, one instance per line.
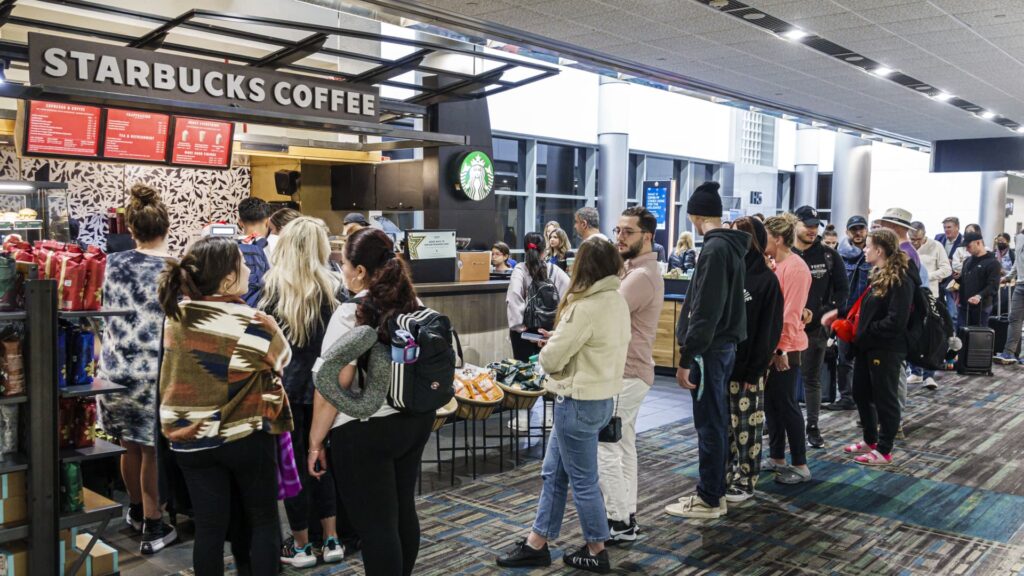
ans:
x=900 y=12
x=998 y=30
x=824 y=25
x=991 y=17
x=462 y=7
x=802 y=9
x=683 y=44
x=571 y=8
x=923 y=26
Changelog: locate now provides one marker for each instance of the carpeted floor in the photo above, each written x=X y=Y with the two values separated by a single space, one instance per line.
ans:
x=952 y=504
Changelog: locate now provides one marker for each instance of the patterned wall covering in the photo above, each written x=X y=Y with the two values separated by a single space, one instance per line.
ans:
x=194 y=197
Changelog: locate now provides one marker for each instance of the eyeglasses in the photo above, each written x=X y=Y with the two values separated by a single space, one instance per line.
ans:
x=627 y=232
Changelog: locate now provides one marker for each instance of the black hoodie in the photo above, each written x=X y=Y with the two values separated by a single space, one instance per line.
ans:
x=764 y=321
x=714 y=313
x=980 y=277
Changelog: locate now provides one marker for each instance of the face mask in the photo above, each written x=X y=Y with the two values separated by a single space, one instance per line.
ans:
x=1003 y=245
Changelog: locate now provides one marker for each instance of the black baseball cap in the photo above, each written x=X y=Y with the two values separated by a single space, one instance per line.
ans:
x=356 y=218
x=971 y=237
x=856 y=221
x=808 y=215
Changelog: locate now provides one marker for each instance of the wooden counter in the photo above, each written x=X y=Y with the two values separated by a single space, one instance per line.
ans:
x=666 y=349
x=477 y=312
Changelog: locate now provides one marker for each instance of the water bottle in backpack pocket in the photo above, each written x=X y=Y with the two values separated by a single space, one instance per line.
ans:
x=428 y=348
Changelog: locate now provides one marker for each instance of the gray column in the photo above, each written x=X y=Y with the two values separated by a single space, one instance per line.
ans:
x=805 y=190
x=613 y=142
x=851 y=179
x=992 y=208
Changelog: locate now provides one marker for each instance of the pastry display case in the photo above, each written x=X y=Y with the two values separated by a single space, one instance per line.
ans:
x=35 y=210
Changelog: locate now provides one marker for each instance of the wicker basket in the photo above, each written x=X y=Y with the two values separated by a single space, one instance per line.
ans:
x=444 y=413
x=516 y=399
x=477 y=409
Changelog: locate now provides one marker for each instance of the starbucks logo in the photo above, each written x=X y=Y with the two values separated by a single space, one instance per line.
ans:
x=476 y=176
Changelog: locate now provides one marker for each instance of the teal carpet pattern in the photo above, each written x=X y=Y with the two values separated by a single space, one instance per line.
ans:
x=953 y=503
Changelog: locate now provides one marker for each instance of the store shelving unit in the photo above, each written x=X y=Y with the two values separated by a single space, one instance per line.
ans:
x=97 y=388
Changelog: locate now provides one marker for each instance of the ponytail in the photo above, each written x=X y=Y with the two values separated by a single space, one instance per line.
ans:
x=534 y=246
x=389 y=283
x=174 y=283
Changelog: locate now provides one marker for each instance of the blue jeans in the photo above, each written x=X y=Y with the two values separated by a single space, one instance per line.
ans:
x=711 y=418
x=952 y=306
x=571 y=459
x=916 y=371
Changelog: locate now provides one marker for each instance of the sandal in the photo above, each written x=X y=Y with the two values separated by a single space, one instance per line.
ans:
x=859 y=448
x=874 y=458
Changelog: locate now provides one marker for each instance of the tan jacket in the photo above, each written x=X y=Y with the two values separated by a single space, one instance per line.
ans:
x=586 y=354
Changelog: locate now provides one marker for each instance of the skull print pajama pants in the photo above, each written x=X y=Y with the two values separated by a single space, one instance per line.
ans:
x=746 y=422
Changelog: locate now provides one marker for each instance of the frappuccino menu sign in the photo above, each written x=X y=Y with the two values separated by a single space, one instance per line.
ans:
x=72 y=63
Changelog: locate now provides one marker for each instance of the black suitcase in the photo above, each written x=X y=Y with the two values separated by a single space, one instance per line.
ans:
x=976 y=354
x=1000 y=323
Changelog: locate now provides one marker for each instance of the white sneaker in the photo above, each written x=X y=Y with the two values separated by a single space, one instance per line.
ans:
x=695 y=507
x=931 y=384
x=914 y=379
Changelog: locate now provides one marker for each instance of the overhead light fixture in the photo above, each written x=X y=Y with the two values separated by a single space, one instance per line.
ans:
x=1020 y=130
x=16 y=187
x=816 y=124
x=719 y=4
x=943 y=96
x=753 y=16
x=988 y=115
x=882 y=71
x=795 y=34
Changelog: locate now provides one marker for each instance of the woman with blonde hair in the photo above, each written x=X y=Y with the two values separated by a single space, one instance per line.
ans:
x=300 y=292
x=783 y=417
x=880 y=344
x=559 y=249
x=584 y=357
x=684 y=257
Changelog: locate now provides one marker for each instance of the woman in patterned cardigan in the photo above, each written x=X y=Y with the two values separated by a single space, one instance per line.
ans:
x=221 y=403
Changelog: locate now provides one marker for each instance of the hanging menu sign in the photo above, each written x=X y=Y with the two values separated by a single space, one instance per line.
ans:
x=135 y=136
x=59 y=129
x=199 y=142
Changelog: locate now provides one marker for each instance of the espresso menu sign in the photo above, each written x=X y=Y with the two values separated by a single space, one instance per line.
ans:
x=135 y=136
x=60 y=129
x=79 y=64
x=199 y=142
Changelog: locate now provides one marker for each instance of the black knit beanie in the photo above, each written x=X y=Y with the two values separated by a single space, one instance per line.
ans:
x=705 y=201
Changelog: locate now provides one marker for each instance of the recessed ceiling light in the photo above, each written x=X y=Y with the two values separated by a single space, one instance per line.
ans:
x=718 y=4
x=753 y=16
x=1020 y=130
x=853 y=58
x=943 y=96
x=795 y=34
x=988 y=115
x=999 y=16
x=882 y=71
x=923 y=88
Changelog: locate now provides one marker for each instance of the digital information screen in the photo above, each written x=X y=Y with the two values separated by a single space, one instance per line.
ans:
x=136 y=136
x=55 y=128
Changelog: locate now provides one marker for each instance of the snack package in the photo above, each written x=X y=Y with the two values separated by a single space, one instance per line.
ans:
x=475 y=383
x=8 y=429
x=95 y=270
x=62 y=357
x=10 y=284
x=47 y=261
x=83 y=359
x=66 y=417
x=70 y=276
x=12 y=363
x=85 y=423
x=72 y=492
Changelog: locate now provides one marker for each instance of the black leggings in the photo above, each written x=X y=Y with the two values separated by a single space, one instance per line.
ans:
x=522 y=350
x=234 y=489
x=876 y=380
x=376 y=464
x=783 y=416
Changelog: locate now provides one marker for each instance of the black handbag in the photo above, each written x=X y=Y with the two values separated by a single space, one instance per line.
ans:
x=612 y=431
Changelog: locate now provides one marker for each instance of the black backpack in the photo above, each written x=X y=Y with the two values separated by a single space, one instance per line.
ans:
x=541 y=303
x=428 y=383
x=928 y=331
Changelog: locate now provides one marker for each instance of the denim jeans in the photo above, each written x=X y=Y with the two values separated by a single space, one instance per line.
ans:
x=952 y=306
x=918 y=371
x=571 y=460
x=711 y=418
x=846 y=354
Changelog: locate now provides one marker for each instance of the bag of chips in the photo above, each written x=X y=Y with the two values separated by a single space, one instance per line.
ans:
x=72 y=491
x=66 y=416
x=70 y=276
x=95 y=270
x=12 y=363
x=8 y=429
x=83 y=359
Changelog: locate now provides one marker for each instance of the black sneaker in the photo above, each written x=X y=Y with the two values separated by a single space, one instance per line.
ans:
x=842 y=404
x=620 y=533
x=634 y=523
x=156 y=535
x=133 y=517
x=522 y=555
x=582 y=559
x=814 y=438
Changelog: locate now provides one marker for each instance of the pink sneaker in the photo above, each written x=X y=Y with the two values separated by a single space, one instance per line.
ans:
x=874 y=458
x=859 y=448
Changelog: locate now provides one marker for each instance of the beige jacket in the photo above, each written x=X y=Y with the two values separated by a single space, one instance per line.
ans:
x=586 y=354
x=936 y=262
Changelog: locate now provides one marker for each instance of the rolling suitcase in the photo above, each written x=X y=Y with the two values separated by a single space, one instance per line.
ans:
x=976 y=354
x=1000 y=323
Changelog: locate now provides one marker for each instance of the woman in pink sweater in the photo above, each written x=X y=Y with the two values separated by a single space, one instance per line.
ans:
x=783 y=417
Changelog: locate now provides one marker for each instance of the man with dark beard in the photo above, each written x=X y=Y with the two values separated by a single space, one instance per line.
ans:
x=644 y=291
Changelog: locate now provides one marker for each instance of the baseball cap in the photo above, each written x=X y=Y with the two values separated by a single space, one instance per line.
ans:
x=807 y=215
x=971 y=237
x=356 y=218
x=856 y=221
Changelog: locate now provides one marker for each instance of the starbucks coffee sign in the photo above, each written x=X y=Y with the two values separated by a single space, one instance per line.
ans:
x=476 y=176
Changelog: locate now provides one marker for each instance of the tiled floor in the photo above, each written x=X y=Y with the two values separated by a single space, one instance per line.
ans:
x=666 y=403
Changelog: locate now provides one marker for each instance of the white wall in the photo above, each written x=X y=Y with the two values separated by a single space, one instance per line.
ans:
x=785 y=145
x=826 y=150
x=900 y=178
x=562 y=107
x=669 y=123
x=748 y=178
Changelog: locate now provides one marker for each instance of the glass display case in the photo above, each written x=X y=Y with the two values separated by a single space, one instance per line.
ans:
x=35 y=210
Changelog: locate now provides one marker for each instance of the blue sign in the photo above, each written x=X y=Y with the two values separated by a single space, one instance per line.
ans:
x=656 y=195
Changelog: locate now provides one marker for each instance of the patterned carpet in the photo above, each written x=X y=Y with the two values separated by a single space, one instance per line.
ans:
x=953 y=503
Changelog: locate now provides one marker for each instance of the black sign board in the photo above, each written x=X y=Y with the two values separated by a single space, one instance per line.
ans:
x=71 y=63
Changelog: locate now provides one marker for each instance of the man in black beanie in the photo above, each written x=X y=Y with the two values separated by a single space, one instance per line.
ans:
x=712 y=323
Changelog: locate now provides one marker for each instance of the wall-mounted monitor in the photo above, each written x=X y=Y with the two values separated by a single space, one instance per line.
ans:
x=135 y=136
x=60 y=129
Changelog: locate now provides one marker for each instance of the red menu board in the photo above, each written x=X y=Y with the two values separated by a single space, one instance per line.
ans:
x=199 y=142
x=62 y=129
x=133 y=135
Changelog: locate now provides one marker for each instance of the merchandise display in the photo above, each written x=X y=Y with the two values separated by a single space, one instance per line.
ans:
x=72 y=491
x=8 y=430
x=475 y=383
x=12 y=364
x=524 y=376
x=78 y=273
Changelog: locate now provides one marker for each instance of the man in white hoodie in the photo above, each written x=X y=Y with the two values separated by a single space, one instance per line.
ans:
x=934 y=261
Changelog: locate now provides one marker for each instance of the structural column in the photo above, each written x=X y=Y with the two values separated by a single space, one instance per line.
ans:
x=851 y=179
x=992 y=209
x=613 y=142
x=805 y=190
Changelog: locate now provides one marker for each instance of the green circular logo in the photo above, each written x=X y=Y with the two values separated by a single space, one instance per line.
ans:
x=476 y=176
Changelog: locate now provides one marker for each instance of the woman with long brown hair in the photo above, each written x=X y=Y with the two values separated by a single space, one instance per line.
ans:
x=376 y=460
x=584 y=358
x=880 y=345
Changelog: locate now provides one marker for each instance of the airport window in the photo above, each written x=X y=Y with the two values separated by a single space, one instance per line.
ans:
x=561 y=210
x=560 y=169
x=509 y=164
x=512 y=219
